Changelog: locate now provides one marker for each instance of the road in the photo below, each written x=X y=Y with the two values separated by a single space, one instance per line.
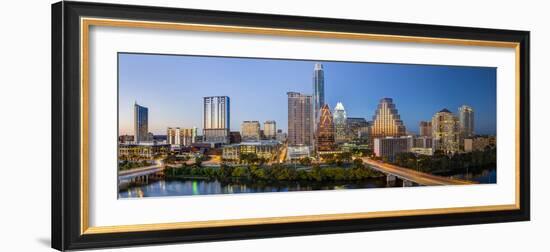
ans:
x=420 y=178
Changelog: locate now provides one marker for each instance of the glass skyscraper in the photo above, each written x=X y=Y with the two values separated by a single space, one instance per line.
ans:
x=141 y=123
x=318 y=90
x=216 y=119
x=325 y=130
x=466 y=118
x=445 y=131
x=386 y=121
x=340 y=119
x=300 y=119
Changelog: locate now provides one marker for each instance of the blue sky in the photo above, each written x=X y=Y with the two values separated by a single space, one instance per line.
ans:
x=172 y=87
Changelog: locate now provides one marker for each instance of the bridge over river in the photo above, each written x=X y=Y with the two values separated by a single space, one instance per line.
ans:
x=411 y=176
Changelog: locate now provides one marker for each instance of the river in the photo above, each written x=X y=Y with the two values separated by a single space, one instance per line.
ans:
x=175 y=187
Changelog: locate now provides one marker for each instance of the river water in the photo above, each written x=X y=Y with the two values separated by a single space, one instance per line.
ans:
x=174 y=187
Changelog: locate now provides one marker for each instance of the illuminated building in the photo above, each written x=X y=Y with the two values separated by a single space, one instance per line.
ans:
x=270 y=129
x=325 y=139
x=142 y=151
x=466 y=119
x=141 y=123
x=318 y=91
x=386 y=120
x=357 y=128
x=216 y=119
x=390 y=146
x=250 y=131
x=181 y=136
x=445 y=131
x=267 y=149
x=425 y=128
x=300 y=119
x=340 y=123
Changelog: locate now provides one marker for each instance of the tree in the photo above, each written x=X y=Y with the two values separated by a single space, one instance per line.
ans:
x=358 y=163
x=305 y=161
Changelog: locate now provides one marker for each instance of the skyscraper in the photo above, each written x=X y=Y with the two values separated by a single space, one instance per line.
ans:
x=270 y=129
x=181 y=136
x=216 y=119
x=445 y=131
x=357 y=127
x=300 y=119
x=250 y=131
x=386 y=120
x=141 y=123
x=325 y=130
x=340 y=119
x=466 y=119
x=425 y=128
x=318 y=91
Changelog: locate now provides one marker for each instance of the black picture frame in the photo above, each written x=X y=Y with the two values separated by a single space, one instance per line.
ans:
x=66 y=114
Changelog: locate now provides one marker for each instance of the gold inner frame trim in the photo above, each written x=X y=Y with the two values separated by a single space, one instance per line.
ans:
x=86 y=23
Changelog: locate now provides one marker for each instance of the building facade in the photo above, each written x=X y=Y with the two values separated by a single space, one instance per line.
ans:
x=357 y=128
x=445 y=132
x=270 y=129
x=340 y=119
x=300 y=119
x=263 y=149
x=388 y=147
x=318 y=91
x=181 y=136
x=325 y=135
x=250 y=131
x=425 y=129
x=216 y=119
x=466 y=119
x=386 y=120
x=143 y=151
x=141 y=124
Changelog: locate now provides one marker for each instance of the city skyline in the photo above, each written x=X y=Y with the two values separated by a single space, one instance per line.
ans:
x=172 y=88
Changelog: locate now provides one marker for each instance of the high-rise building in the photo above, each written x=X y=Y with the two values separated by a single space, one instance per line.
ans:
x=466 y=119
x=141 y=123
x=386 y=120
x=270 y=129
x=216 y=119
x=318 y=91
x=340 y=123
x=325 y=139
x=250 y=131
x=390 y=146
x=425 y=129
x=300 y=119
x=357 y=127
x=235 y=137
x=445 y=131
x=181 y=136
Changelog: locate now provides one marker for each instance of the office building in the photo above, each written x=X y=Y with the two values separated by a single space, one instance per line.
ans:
x=235 y=137
x=281 y=136
x=388 y=147
x=340 y=119
x=325 y=139
x=445 y=131
x=318 y=91
x=142 y=151
x=300 y=119
x=141 y=123
x=386 y=120
x=250 y=131
x=267 y=149
x=466 y=119
x=295 y=153
x=425 y=129
x=216 y=119
x=270 y=129
x=357 y=128
x=181 y=136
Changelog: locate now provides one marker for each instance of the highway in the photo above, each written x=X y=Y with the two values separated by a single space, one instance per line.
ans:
x=420 y=178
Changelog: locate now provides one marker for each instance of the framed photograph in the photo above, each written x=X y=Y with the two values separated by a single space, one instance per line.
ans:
x=180 y=125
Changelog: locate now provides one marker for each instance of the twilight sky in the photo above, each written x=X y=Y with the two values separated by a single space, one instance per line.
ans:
x=172 y=87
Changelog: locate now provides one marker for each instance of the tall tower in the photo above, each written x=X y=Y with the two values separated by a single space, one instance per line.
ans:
x=318 y=90
x=250 y=131
x=216 y=119
x=141 y=123
x=466 y=119
x=340 y=119
x=445 y=131
x=270 y=129
x=386 y=120
x=300 y=119
x=325 y=130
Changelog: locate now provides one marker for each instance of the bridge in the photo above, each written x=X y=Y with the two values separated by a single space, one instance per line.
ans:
x=410 y=176
x=141 y=174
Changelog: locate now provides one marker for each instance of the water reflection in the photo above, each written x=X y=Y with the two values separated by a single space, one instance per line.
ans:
x=204 y=187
